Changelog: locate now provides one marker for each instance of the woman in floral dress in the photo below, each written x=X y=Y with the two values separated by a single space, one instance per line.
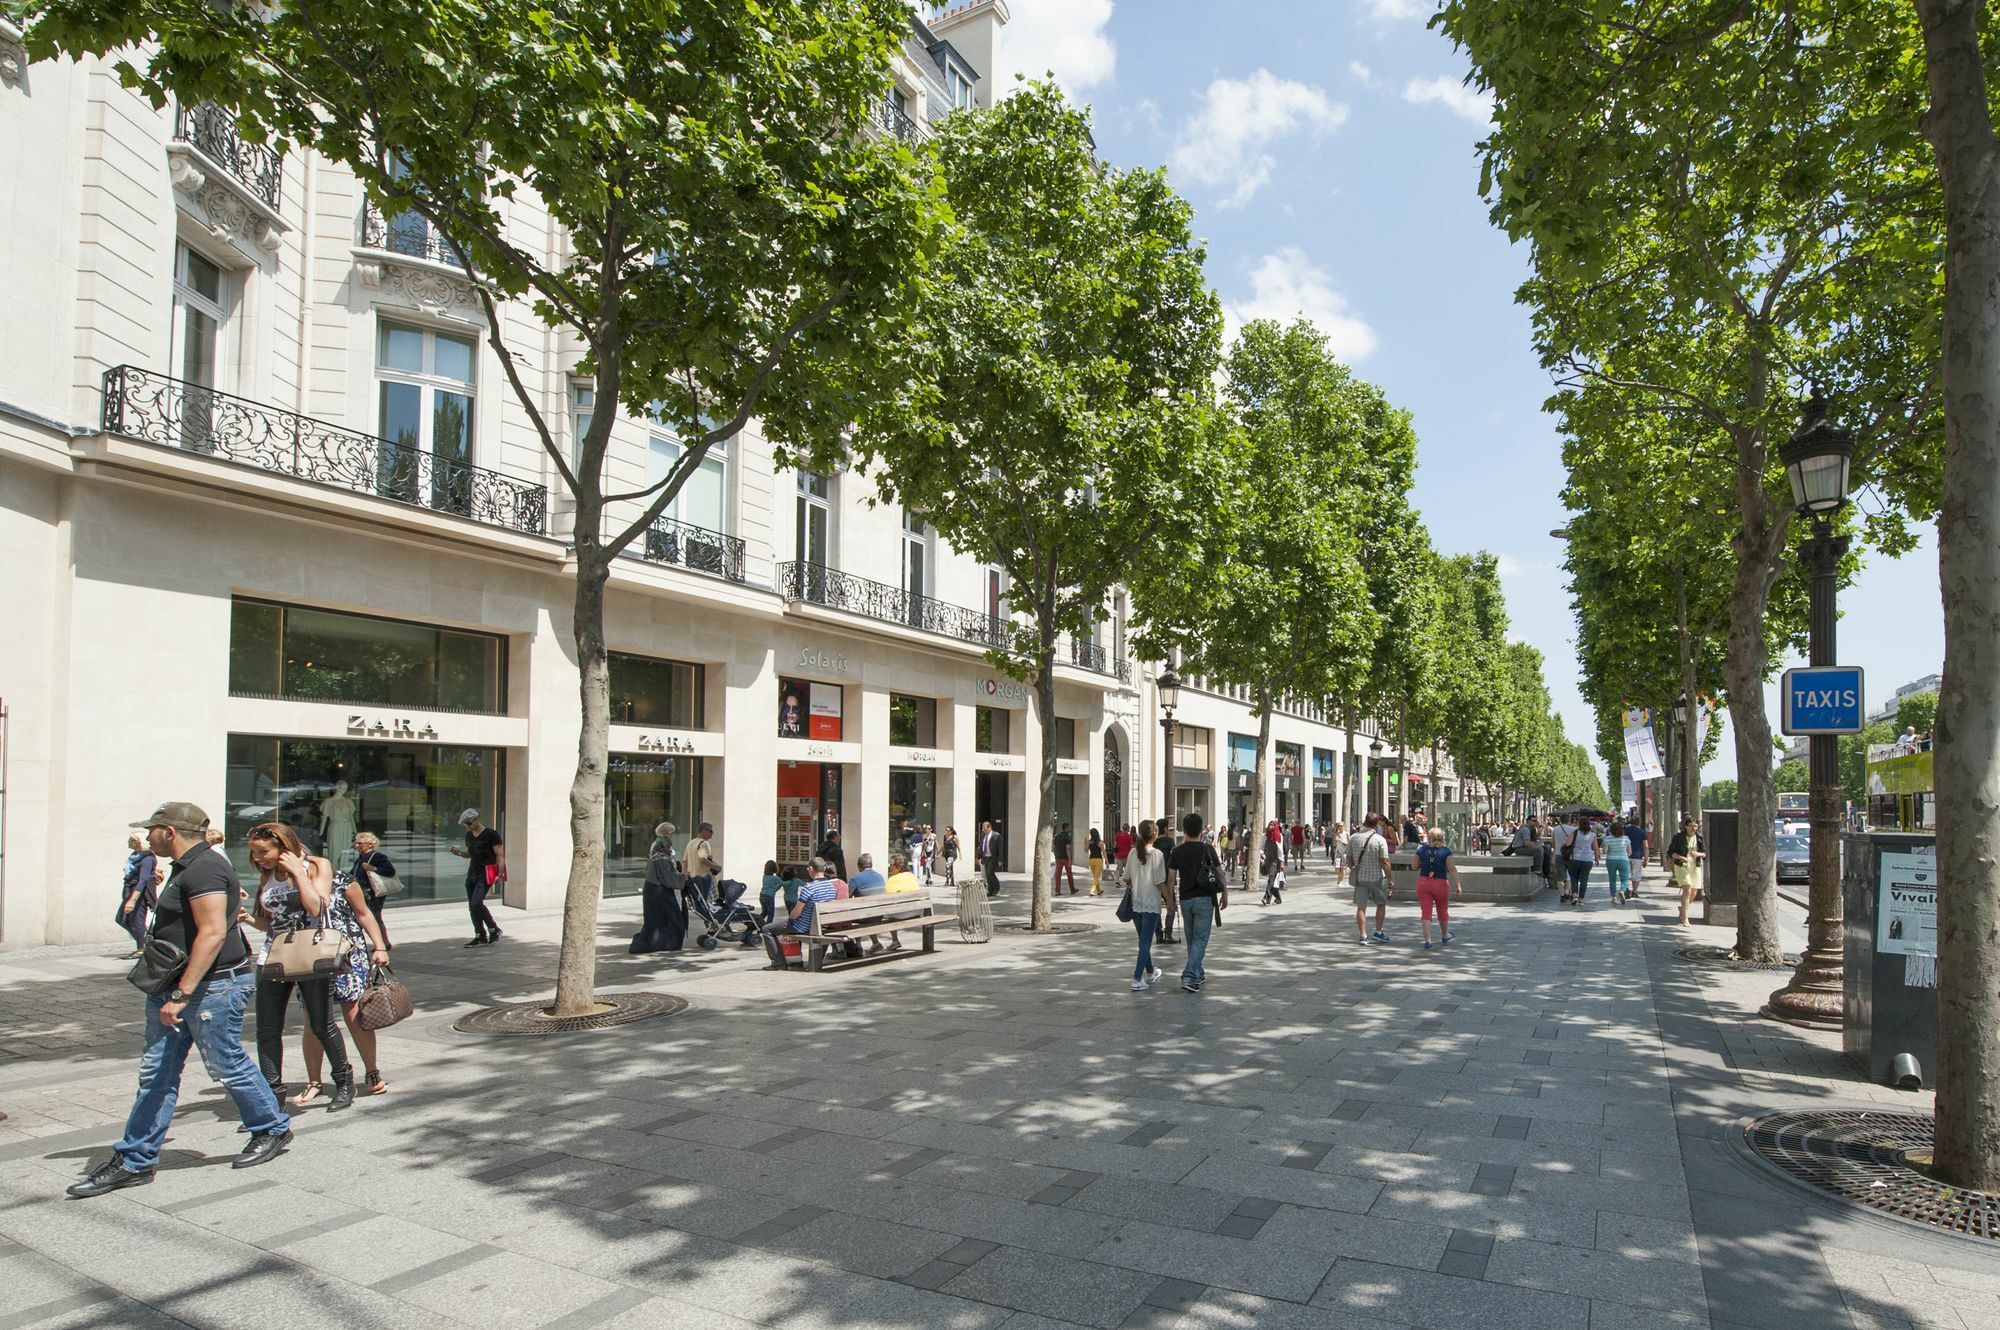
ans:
x=349 y=912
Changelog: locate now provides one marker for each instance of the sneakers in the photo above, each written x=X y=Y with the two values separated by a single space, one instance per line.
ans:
x=1154 y=978
x=264 y=1146
x=1447 y=937
x=1430 y=946
x=875 y=947
x=1189 y=986
x=477 y=942
x=1366 y=941
x=1378 y=936
x=496 y=936
x=111 y=1175
x=1140 y=985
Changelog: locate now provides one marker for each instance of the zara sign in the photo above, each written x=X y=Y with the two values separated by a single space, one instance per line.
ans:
x=1822 y=699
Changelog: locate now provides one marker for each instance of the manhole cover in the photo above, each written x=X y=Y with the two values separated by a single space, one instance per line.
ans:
x=1858 y=1156
x=1724 y=956
x=1052 y=928
x=529 y=1017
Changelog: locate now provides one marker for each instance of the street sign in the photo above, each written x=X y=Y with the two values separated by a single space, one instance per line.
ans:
x=1821 y=699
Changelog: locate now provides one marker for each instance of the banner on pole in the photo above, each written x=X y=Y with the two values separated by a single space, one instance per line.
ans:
x=1628 y=789
x=1642 y=752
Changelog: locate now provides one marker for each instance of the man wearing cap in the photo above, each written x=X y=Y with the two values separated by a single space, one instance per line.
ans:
x=197 y=912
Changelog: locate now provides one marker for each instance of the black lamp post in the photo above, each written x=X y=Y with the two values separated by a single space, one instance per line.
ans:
x=1375 y=751
x=1169 y=685
x=1817 y=462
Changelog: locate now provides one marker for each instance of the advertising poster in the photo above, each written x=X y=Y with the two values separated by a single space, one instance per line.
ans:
x=1906 y=916
x=1642 y=753
x=792 y=694
x=824 y=721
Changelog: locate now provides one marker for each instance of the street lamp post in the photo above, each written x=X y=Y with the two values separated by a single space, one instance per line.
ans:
x=1817 y=462
x=1169 y=685
x=1375 y=751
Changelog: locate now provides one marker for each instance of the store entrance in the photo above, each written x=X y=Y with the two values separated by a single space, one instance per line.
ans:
x=809 y=807
x=989 y=804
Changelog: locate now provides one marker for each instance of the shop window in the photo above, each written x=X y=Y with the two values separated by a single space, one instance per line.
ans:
x=639 y=794
x=989 y=730
x=912 y=721
x=1192 y=745
x=328 y=656
x=912 y=803
x=648 y=691
x=1242 y=753
x=409 y=795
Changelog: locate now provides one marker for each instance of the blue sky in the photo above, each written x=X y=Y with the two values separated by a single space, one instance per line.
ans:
x=1328 y=148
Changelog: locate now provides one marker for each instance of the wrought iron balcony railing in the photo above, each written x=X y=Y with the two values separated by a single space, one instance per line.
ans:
x=211 y=131
x=153 y=408
x=408 y=234
x=894 y=121
x=1090 y=656
x=816 y=584
x=695 y=548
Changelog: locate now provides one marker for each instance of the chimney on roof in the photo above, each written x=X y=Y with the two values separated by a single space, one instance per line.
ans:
x=973 y=29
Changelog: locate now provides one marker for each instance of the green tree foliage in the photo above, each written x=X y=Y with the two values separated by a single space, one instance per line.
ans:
x=1286 y=614
x=1918 y=709
x=1057 y=417
x=734 y=243
x=1719 y=794
x=1791 y=777
x=1706 y=239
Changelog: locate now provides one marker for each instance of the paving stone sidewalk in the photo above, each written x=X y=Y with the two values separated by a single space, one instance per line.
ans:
x=1525 y=1130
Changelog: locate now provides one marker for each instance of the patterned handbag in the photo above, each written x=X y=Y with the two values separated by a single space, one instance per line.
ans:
x=385 y=1001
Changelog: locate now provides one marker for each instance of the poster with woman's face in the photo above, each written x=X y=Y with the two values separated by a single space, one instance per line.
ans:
x=792 y=695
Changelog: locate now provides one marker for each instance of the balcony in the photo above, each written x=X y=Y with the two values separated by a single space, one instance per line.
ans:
x=816 y=584
x=897 y=123
x=1090 y=656
x=694 y=548
x=139 y=404
x=407 y=234
x=211 y=131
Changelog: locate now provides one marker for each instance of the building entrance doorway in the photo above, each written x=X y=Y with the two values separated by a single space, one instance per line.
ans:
x=989 y=804
x=1114 y=785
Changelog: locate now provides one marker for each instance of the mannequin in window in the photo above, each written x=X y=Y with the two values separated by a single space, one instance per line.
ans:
x=336 y=825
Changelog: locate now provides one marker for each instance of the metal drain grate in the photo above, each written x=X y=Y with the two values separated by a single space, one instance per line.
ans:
x=1724 y=956
x=1858 y=1156
x=528 y=1017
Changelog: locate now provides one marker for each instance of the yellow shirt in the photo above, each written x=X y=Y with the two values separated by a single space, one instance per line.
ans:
x=905 y=881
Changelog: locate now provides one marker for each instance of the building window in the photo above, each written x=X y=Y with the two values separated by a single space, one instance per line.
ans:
x=989 y=730
x=959 y=86
x=425 y=382
x=912 y=721
x=1192 y=746
x=1065 y=737
x=327 y=656
x=814 y=518
x=649 y=691
x=201 y=310
x=916 y=555
x=582 y=410
x=704 y=497
x=1242 y=753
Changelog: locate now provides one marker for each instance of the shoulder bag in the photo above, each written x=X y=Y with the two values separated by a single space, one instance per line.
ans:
x=384 y=1002
x=384 y=885
x=297 y=954
x=158 y=968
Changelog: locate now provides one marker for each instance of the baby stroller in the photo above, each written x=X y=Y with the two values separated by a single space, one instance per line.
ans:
x=727 y=917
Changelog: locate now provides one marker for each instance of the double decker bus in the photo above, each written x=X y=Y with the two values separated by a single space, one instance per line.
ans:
x=1902 y=796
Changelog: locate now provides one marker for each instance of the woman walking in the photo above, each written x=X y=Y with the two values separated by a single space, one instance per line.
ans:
x=1583 y=855
x=1094 y=849
x=1683 y=859
x=950 y=853
x=141 y=888
x=1437 y=878
x=486 y=868
x=368 y=947
x=1618 y=864
x=1145 y=870
x=294 y=891
x=373 y=868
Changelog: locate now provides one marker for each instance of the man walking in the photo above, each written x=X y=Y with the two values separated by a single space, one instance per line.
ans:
x=1373 y=876
x=196 y=913
x=831 y=851
x=989 y=857
x=1196 y=875
x=701 y=864
x=485 y=870
x=1065 y=845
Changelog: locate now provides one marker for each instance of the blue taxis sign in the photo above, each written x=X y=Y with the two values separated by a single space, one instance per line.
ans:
x=1822 y=699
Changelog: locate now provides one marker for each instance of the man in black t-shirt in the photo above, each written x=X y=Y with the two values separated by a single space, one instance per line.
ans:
x=196 y=919
x=1065 y=842
x=1195 y=873
x=485 y=870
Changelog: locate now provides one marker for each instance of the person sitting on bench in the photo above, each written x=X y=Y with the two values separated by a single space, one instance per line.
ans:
x=799 y=920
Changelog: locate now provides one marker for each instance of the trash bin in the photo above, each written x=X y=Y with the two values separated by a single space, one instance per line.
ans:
x=1718 y=870
x=1889 y=889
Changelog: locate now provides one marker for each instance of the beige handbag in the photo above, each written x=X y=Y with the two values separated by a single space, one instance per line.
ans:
x=299 y=953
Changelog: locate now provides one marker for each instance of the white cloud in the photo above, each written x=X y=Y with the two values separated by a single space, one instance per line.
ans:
x=1397 y=11
x=1462 y=101
x=1225 y=143
x=1287 y=285
x=1363 y=75
x=1064 y=37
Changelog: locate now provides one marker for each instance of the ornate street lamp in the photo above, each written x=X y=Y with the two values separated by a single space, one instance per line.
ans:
x=1169 y=685
x=1817 y=463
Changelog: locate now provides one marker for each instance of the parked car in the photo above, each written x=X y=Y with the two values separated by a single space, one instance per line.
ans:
x=1794 y=859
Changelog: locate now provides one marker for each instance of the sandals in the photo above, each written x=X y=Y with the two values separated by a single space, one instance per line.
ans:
x=310 y=1094
x=376 y=1085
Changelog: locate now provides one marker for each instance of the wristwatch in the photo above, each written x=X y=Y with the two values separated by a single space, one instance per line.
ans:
x=177 y=996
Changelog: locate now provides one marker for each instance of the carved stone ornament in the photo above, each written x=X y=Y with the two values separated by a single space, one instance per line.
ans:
x=432 y=292
x=231 y=219
x=13 y=56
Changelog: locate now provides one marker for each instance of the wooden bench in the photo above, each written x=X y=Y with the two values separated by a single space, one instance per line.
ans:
x=870 y=916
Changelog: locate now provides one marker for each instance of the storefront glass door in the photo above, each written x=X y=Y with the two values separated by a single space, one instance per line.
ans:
x=639 y=794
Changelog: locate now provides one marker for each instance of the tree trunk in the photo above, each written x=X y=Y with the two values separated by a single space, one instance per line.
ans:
x=1400 y=805
x=1967 y=748
x=1348 y=814
x=1043 y=879
x=1743 y=667
x=576 y=963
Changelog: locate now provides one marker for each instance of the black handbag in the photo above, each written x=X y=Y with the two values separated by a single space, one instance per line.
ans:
x=158 y=968
x=1125 y=907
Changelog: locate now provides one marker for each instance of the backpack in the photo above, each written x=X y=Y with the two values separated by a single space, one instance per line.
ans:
x=1206 y=879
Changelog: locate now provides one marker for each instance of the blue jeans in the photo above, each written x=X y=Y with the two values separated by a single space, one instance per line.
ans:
x=1618 y=876
x=1579 y=877
x=212 y=1021
x=1148 y=923
x=1197 y=918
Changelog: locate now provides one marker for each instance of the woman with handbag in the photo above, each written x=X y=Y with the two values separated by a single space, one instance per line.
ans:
x=294 y=892
x=377 y=875
x=1145 y=869
x=367 y=948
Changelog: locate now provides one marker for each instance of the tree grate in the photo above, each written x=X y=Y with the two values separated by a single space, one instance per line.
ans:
x=1859 y=1156
x=1725 y=957
x=529 y=1018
